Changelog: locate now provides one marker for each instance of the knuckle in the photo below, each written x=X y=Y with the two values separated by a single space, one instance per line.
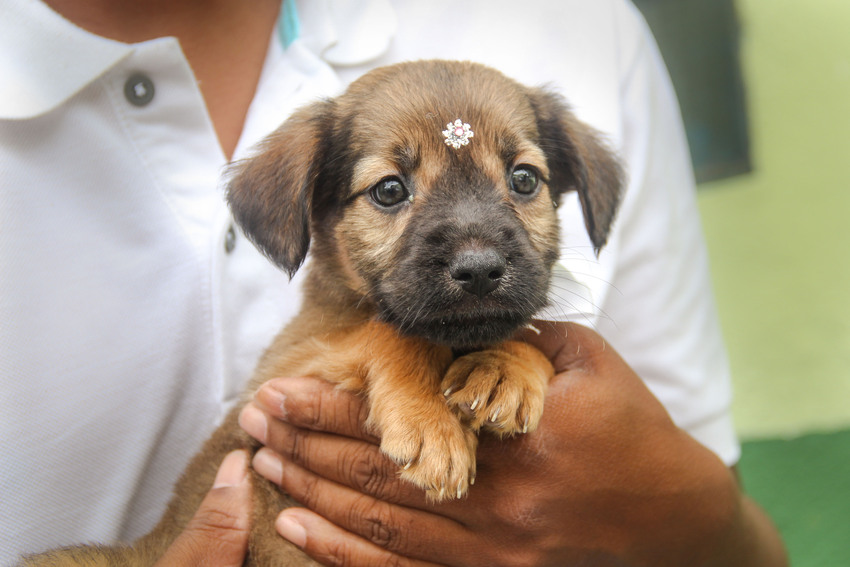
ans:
x=358 y=416
x=337 y=554
x=377 y=524
x=299 y=445
x=215 y=521
x=312 y=412
x=308 y=492
x=380 y=533
x=333 y=409
x=349 y=414
x=370 y=473
x=215 y=532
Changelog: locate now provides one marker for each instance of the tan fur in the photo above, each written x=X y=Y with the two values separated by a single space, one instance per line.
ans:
x=426 y=404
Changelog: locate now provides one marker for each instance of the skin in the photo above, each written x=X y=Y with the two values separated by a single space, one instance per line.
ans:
x=218 y=533
x=225 y=43
x=607 y=479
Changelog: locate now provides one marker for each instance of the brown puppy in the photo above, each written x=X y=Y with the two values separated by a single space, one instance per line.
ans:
x=427 y=195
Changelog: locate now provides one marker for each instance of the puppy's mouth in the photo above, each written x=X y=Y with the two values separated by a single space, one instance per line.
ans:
x=463 y=322
x=467 y=330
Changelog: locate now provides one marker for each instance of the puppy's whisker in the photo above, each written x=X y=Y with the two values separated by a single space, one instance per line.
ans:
x=587 y=319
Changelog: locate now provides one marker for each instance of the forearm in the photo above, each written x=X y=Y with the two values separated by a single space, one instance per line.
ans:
x=754 y=541
x=721 y=528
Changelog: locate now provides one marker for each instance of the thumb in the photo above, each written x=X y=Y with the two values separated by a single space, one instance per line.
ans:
x=566 y=345
x=218 y=533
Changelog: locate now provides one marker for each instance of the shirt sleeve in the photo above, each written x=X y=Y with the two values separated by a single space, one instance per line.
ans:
x=656 y=306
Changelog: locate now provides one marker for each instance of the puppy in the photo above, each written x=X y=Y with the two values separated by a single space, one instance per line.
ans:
x=427 y=194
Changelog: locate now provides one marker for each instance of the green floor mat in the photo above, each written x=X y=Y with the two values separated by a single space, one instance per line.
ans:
x=804 y=484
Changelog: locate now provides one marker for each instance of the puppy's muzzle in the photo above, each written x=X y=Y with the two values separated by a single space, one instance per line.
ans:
x=478 y=270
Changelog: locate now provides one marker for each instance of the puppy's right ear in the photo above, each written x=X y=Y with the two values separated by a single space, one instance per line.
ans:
x=271 y=193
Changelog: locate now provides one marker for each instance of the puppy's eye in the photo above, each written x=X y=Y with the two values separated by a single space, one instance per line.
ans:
x=389 y=192
x=524 y=180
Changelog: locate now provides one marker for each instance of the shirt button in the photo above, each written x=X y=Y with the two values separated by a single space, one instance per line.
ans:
x=139 y=89
x=230 y=239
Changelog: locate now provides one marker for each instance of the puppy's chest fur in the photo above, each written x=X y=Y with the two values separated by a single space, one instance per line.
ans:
x=422 y=246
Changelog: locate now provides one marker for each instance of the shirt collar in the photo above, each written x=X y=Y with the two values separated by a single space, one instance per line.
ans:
x=45 y=59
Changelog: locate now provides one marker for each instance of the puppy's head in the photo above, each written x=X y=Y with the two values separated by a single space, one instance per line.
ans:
x=430 y=189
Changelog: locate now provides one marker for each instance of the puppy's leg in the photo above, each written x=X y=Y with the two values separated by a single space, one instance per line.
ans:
x=402 y=376
x=501 y=388
x=418 y=429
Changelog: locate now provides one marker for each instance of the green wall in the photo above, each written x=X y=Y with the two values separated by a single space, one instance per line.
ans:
x=779 y=238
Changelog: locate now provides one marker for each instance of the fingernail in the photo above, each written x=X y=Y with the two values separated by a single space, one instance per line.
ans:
x=253 y=421
x=233 y=470
x=291 y=529
x=268 y=465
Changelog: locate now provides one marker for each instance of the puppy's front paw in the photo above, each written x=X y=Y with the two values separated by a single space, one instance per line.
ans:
x=501 y=389
x=433 y=449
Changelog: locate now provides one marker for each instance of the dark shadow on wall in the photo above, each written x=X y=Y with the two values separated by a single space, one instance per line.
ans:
x=699 y=41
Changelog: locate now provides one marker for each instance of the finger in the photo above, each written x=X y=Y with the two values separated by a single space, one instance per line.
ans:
x=218 y=533
x=315 y=404
x=351 y=462
x=357 y=464
x=407 y=531
x=345 y=460
x=331 y=545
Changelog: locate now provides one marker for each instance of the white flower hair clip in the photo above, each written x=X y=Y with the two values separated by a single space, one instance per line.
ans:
x=457 y=134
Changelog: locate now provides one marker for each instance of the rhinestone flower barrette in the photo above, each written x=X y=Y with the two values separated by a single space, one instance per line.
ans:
x=457 y=134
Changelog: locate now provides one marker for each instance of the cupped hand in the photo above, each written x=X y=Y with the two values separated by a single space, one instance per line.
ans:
x=606 y=479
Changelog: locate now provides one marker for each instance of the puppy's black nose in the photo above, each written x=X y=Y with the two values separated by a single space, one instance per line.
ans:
x=478 y=270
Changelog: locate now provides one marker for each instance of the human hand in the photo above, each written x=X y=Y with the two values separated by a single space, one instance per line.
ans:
x=218 y=533
x=607 y=479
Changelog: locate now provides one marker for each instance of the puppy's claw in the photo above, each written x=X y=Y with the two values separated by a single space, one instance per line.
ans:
x=474 y=404
x=495 y=414
x=525 y=425
x=448 y=392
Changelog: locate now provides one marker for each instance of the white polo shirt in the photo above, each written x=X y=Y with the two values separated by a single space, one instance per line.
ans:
x=131 y=313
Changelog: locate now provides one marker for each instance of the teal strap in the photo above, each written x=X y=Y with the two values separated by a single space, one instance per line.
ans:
x=289 y=27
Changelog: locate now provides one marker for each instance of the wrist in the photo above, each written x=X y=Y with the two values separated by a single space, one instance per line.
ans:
x=711 y=523
x=695 y=518
x=752 y=540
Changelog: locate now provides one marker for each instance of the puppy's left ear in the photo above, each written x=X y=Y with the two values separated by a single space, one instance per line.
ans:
x=579 y=160
x=271 y=193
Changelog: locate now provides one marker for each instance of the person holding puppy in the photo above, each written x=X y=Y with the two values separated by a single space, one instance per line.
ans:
x=133 y=311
